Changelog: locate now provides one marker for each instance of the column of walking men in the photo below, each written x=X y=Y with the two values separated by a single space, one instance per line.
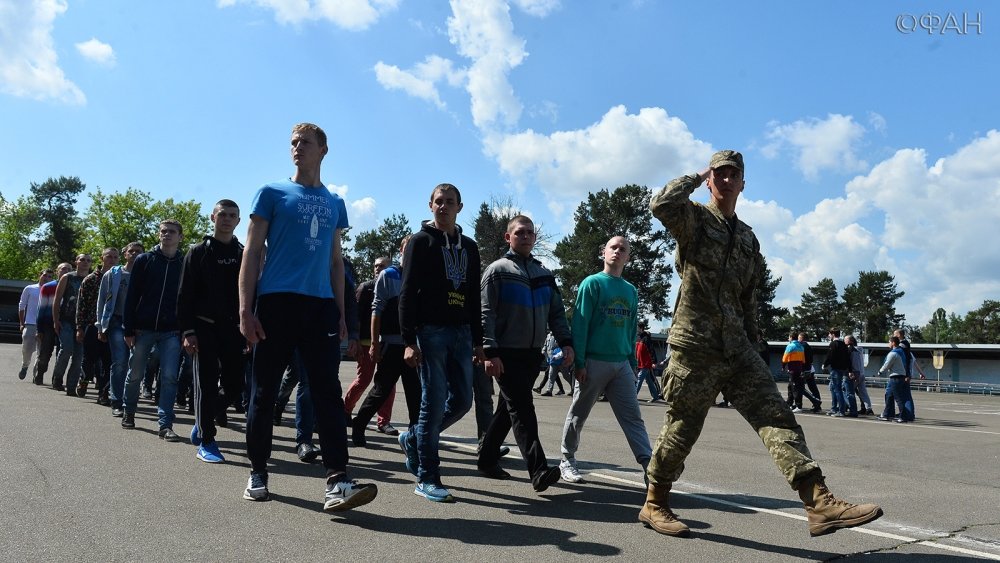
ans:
x=432 y=321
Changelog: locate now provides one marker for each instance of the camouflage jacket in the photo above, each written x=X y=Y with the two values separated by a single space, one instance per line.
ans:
x=86 y=303
x=717 y=262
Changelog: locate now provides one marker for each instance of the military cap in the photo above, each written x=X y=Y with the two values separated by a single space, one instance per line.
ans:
x=726 y=158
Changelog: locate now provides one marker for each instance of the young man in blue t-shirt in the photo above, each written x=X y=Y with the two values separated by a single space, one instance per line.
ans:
x=299 y=293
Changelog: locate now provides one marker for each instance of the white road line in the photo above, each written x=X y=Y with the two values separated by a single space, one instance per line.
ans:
x=913 y=425
x=799 y=517
x=876 y=533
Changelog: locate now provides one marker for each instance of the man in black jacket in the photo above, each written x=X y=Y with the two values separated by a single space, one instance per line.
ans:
x=439 y=316
x=838 y=360
x=150 y=319
x=208 y=310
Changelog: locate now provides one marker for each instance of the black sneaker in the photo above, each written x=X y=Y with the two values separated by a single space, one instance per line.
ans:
x=345 y=495
x=495 y=472
x=58 y=387
x=546 y=478
x=128 y=420
x=277 y=418
x=358 y=436
x=256 y=487
x=167 y=434
x=23 y=373
x=307 y=453
x=221 y=419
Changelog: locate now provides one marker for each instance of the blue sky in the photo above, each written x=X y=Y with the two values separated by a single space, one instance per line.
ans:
x=866 y=147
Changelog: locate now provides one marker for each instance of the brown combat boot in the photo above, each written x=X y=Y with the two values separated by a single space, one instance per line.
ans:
x=827 y=513
x=656 y=513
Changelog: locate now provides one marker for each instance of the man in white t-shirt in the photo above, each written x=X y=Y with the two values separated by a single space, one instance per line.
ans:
x=27 y=315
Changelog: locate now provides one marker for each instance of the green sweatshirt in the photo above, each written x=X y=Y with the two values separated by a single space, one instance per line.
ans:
x=605 y=320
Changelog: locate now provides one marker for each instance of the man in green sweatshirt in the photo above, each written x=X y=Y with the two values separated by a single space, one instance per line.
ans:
x=604 y=329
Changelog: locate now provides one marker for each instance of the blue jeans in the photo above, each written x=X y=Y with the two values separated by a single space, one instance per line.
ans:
x=446 y=390
x=294 y=377
x=837 y=391
x=68 y=348
x=897 y=392
x=646 y=374
x=119 y=361
x=848 y=404
x=169 y=345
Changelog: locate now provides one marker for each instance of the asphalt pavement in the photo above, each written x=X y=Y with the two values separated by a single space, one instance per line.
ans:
x=75 y=486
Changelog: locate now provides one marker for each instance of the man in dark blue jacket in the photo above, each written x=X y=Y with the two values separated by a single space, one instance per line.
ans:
x=150 y=319
x=520 y=304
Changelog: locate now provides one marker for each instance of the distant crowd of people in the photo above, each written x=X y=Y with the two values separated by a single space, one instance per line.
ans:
x=845 y=364
x=255 y=320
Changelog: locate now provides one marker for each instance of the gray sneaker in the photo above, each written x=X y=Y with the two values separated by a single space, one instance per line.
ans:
x=569 y=472
x=345 y=495
x=256 y=487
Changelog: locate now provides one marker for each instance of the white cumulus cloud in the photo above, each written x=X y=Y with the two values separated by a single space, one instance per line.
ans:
x=482 y=31
x=362 y=213
x=354 y=15
x=538 y=8
x=97 y=51
x=29 y=66
x=420 y=81
x=818 y=144
x=933 y=227
x=648 y=147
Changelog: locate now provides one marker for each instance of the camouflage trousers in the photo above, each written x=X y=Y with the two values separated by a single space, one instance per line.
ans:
x=691 y=382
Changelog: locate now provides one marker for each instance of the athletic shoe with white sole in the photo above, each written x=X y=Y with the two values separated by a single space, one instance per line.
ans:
x=345 y=495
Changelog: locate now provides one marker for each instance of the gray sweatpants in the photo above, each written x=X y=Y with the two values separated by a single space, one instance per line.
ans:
x=617 y=381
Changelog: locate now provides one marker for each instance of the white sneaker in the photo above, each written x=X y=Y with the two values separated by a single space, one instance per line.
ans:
x=345 y=495
x=797 y=410
x=568 y=471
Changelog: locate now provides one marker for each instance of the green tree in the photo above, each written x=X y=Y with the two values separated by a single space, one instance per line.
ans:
x=819 y=310
x=188 y=213
x=870 y=305
x=18 y=221
x=622 y=212
x=56 y=200
x=769 y=316
x=119 y=218
x=982 y=326
x=937 y=327
x=382 y=241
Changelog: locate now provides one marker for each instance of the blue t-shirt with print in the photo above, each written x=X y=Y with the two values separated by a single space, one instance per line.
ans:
x=301 y=221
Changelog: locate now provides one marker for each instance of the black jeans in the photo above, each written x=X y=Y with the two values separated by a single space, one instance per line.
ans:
x=516 y=410
x=47 y=343
x=310 y=324
x=219 y=359
x=390 y=369
x=96 y=359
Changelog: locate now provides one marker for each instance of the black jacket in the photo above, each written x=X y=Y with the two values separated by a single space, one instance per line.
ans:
x=440 y=283
x=839 y=357
x=151 y=301
x=209 y=287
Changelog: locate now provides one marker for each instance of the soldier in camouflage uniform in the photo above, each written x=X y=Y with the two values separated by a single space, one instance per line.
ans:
x=712 y=336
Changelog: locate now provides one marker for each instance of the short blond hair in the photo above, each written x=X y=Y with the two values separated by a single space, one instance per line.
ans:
x=320 y=134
